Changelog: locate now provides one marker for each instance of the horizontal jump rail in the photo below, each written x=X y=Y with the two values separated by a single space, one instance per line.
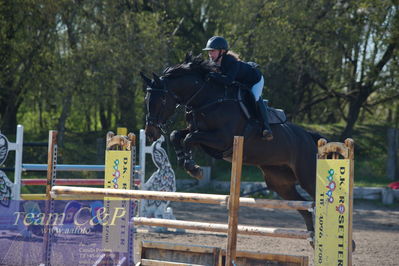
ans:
x=223 y=228
x=75 y=192
x=64 y=167
x=67 y=182
x=44 y=197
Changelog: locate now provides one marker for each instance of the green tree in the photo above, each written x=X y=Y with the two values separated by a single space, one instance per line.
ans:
x=25 y=53
x=329 y=56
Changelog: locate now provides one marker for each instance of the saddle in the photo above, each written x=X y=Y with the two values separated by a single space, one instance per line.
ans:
x=247 y=103
x=248 y=106
x=276 y=116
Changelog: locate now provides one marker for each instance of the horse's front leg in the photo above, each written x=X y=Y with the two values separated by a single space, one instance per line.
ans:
x=192 y=139
x=176 y=138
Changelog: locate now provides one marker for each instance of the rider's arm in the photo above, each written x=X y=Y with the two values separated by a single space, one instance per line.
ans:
x=229 y=68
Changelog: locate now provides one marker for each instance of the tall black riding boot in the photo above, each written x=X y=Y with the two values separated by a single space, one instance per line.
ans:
x=267 y=133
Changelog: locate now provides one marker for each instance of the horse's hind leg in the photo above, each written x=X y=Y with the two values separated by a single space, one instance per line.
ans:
x=282 y=180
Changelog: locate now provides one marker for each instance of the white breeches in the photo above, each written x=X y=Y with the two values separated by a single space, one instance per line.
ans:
x=258 y=88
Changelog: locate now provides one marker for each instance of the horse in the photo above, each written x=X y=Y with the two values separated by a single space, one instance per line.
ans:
x=215 y=115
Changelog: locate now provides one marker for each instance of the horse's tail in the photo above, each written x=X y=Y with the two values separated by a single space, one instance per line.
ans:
x=316 y=136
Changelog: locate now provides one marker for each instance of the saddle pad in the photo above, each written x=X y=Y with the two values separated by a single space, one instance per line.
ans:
x=276 y=116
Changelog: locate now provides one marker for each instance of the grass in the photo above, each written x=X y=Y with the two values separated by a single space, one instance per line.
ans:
x=370 y=152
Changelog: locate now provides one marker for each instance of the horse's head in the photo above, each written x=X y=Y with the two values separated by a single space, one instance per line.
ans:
x=178 y=85
x=160 y=104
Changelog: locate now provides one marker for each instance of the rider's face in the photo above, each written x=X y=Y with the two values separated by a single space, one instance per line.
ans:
x=213 y=55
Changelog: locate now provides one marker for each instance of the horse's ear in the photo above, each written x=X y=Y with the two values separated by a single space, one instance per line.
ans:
x=157 y=80
x=188 y=58
x=197 y=59
x=145 y=79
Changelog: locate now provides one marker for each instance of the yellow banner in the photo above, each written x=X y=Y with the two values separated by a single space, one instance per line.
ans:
x=118 y=167
x=332 y=212
x=118 y=175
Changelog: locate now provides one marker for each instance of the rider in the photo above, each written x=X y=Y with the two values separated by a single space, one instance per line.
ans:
x=233 y=69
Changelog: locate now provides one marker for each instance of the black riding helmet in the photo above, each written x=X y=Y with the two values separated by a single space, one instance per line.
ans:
x=216 y=43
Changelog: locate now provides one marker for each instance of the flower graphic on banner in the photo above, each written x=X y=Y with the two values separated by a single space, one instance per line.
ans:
x=116 y=174
x=340 y=208
x=331 y=186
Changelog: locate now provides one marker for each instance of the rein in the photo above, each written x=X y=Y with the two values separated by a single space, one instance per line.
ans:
x=218 y=101
x=203 y=107
x=154 y=120
x=195 y=94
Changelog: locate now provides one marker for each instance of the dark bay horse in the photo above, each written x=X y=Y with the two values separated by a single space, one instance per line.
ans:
x=214 y=116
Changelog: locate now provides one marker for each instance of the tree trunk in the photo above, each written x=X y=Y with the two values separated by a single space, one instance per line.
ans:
x=9 y=118
x=392 y=137
x=105 y=124
x=66 y=107
x=9 y=106
x=127 y=117
x=355 y=105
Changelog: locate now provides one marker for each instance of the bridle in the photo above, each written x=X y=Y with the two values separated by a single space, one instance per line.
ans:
x=155 y=120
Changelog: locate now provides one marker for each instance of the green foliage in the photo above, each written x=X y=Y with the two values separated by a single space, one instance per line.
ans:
x=74 y=65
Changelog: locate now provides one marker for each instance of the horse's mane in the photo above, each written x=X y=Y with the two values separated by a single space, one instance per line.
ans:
x=192 y=64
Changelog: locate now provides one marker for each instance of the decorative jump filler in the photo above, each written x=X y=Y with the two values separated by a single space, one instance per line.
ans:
x=163 y=179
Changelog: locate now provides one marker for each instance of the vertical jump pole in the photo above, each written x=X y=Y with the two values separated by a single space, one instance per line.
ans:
x=18 y=162
x=234 y=200
x=143 y=149
x=49 y=203
x=349 y=143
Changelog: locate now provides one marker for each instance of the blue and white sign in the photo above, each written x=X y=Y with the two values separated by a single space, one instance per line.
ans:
x=3 y=148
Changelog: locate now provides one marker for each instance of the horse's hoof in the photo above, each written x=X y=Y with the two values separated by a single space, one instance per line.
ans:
x=189 y=165
x=197 y=172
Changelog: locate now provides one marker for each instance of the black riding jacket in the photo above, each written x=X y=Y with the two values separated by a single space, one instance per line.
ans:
x=235 y=70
